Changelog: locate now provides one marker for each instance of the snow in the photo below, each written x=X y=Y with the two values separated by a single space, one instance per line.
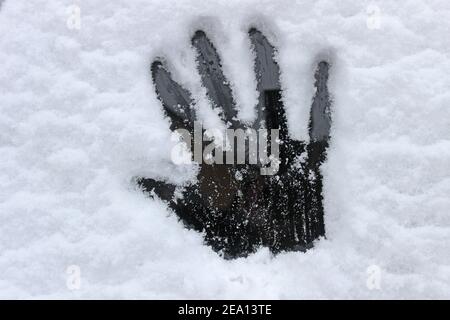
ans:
x=79 y=119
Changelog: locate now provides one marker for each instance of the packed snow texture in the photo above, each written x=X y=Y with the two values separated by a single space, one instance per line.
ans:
x=79 y=119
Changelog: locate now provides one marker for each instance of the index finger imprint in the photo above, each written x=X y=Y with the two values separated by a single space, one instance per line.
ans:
x=176 y=100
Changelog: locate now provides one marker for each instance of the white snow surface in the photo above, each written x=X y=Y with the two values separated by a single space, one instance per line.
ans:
x=79 y=119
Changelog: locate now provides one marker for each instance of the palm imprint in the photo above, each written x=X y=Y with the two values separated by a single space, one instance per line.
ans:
x=236 y=207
